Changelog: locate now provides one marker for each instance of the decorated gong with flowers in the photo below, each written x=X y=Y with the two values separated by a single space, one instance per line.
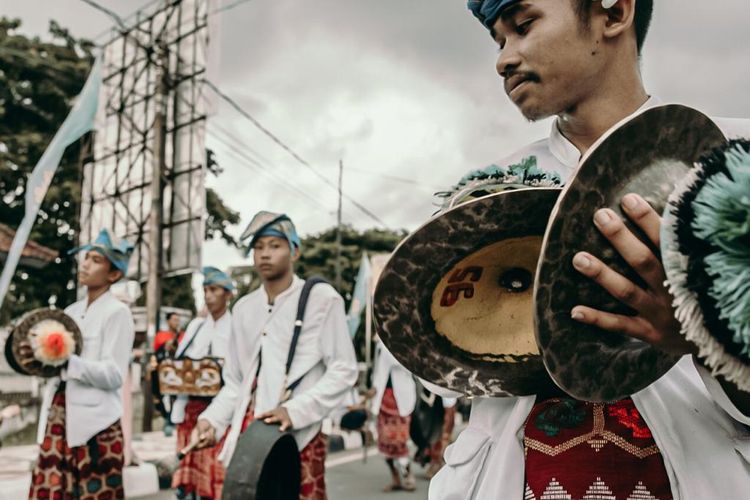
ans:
x=42 y=341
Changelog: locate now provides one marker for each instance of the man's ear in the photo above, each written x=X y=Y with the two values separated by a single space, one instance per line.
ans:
x=114 y=276
x=619 y=18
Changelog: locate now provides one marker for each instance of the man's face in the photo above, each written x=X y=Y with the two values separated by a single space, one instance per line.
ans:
x=97 y=271
x=216 y=298
x=273 y=257
x=548 y=60
x=174 y=322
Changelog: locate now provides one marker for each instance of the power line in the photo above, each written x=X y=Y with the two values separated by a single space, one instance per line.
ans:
x=289 y=150
x=394 y=178
x=117 y=19
x=248 y=116
x=267 y=171
x=148 y=4
x=228 y=7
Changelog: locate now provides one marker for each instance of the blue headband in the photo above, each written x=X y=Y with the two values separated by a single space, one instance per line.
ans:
x=215 y=276
x=271 y=224
x=118 y=254
x=488 y=11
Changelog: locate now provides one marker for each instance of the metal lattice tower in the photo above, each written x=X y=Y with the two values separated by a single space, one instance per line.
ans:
x=151 y=120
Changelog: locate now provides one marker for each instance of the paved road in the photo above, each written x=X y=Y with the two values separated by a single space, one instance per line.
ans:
x=347 y=478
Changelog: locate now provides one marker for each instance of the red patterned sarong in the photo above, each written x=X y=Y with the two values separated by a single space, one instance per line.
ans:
x=89 y=472
x=579 y=450
x=200 y=471
x=312 y=456
x=393 y=429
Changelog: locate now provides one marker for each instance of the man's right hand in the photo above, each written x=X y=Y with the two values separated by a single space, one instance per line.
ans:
x=204 y=434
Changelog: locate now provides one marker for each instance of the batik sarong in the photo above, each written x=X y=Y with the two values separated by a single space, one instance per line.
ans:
x=200 y=471
x=89 y=472
x=579 y=450
x=393 y=429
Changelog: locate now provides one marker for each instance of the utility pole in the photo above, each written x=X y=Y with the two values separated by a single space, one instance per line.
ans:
x=338 y=229
x=155 y=267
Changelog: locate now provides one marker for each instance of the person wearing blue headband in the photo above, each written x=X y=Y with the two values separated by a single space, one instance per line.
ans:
x=262 y=327
x=684 y=436
x=80 y=434
x=200 y=474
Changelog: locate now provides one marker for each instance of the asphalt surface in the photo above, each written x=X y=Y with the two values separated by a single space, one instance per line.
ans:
x=347 y=477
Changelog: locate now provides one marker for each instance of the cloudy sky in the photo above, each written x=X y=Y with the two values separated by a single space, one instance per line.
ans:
x=404 y=92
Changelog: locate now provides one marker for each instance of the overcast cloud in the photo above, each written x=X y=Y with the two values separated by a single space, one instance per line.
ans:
x=404 y=89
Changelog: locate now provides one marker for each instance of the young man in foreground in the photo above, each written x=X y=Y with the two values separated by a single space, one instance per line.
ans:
x=685 y=436
x=200 y=471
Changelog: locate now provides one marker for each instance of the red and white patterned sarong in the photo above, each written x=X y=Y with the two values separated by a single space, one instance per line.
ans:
x=200 y=472
x=449 y=422
x=579 y=450
x=89 y=472
x=312 y=456
x=393 y=429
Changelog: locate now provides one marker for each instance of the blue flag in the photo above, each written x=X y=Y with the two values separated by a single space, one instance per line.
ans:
x=79 y=121
x=359 y=297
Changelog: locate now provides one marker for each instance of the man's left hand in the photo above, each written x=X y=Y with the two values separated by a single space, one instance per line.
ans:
x=655 y=322
x=277 y=416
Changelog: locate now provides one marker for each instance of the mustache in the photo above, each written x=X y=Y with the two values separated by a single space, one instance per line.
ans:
x=513 y=78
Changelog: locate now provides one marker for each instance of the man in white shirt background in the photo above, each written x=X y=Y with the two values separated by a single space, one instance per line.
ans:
x=200 y=471
x=394 y=399
x=323 y=369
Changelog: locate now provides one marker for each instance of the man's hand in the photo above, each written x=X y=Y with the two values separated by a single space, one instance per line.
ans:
x=277 y=416
x=204 y=434
x=655 y=322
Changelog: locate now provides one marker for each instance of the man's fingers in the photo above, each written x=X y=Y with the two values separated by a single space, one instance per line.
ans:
x=639 y=211
x=284 y=426
x=634 y=251
x=631 y=326
x=616 y=284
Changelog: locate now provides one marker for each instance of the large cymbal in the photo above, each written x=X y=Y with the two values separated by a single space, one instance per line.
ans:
x=645 y=155
x=453 y=304
x=24 y=331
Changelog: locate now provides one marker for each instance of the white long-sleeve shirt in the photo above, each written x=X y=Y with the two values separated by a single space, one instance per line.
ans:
x=324 y=356
x=203 y=337
x=93 y=396
x=402 y=382
x=703 y=438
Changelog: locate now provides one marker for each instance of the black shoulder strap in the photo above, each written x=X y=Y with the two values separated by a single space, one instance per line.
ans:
x=190 y=342
x=301 y=306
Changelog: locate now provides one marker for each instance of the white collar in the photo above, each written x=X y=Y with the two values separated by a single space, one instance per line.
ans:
x=101 y=299
x=564 y=150
x=296 y=283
